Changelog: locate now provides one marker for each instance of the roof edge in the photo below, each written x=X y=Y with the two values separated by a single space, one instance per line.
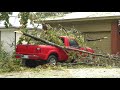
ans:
x=84 y=19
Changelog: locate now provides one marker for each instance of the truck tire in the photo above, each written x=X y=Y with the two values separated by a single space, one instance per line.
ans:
x=29 y=63
x=52 y=60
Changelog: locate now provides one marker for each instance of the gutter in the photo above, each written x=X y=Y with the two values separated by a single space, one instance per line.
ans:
x=84 y=19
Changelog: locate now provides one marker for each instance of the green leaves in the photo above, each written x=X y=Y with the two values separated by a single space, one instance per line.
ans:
x=33 y=16
x=38 y=17
x=24 y=18
x=4 y=16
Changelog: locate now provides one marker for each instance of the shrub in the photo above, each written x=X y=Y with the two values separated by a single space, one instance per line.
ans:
x=7 y=62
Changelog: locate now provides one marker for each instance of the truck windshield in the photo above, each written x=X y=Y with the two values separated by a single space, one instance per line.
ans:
x=73 y=43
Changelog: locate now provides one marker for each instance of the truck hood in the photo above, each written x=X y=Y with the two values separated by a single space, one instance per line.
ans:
x=87 y=49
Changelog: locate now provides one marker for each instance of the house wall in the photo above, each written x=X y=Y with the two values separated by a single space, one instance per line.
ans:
x=103 y=45
x=8 y=39
x=97 y=29
x=87 y=26
x=93 y=29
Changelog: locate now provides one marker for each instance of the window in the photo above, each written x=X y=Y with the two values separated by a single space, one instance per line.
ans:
x=62 y=39
x=73 y=43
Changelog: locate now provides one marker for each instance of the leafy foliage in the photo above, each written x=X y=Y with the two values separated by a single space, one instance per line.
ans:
x=24 y=18
x=33 y=16
x=4 y=16
x=7 y=62
x=38 y=17
x=52 y=35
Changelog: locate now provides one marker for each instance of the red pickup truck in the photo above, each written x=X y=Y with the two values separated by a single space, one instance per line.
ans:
x=32 y=54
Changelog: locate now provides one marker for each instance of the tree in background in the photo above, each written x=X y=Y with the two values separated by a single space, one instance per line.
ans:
x=4 y=16
x=24 y=16
x=34 y=17
x=38 y=18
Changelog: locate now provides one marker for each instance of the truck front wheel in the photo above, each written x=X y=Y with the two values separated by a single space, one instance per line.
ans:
x=52 y=60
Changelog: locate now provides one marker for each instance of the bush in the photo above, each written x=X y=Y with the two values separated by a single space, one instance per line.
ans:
x=7 y=62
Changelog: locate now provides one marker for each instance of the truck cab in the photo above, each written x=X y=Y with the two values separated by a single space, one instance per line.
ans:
x=69 y=42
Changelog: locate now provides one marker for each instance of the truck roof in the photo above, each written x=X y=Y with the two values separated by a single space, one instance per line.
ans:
x=66 y=37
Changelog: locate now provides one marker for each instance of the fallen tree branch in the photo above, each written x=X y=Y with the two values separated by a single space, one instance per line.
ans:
x=96 y=39
x=66 y=48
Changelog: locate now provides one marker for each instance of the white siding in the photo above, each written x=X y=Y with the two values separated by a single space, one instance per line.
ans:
x=8 y=40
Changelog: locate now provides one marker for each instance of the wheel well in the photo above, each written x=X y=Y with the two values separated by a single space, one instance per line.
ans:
x=55 y=54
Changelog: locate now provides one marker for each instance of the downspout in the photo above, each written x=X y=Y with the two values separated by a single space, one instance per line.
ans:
x=15 y=40
x=0 y=42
